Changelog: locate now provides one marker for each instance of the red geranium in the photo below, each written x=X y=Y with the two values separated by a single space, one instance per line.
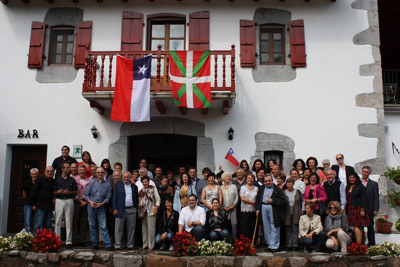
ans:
x=184 y=244
x=357 y=249
x=46 y=240
x=242 y=247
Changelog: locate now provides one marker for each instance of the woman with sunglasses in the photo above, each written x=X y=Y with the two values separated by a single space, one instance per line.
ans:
x=336 y=228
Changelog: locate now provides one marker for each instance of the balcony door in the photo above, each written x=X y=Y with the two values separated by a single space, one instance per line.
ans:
x=168 y=31
x=169 y=151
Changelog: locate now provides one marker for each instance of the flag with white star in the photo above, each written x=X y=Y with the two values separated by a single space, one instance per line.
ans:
x=132 y=90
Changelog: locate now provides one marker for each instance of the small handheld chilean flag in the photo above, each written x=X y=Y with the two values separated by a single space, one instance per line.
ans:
x=230 y=156
x=132 y=90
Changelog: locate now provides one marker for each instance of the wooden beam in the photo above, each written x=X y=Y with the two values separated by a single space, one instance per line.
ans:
x=225 y=107
x=75 y=1
x=161 y=107
x=96 y=106
x=50 y=1
x=183 y=111
x=204 y=111
x=25 y=1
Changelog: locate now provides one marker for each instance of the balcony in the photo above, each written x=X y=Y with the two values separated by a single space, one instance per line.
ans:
x=99 y=81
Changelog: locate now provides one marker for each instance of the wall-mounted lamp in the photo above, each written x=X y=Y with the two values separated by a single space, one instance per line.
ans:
x=94 y=132
x=230 y=133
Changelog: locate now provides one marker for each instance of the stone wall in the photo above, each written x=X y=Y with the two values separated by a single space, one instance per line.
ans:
x=88 y=258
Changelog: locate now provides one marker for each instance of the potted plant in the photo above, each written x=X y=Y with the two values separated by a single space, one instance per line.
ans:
x=383 y=226
x=397 y=226
x=393 y=174
x=394 y=198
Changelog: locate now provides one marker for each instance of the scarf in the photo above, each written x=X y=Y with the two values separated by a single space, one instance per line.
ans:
x=333 y=222
x=145 y=199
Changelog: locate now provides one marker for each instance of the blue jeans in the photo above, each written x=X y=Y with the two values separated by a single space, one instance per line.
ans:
x=28 y=214
x=198 y=232
x=42 y=219
x=223 y=235
x=271 y=233
x=317 y=241
x=167 y=241
x=98 y=216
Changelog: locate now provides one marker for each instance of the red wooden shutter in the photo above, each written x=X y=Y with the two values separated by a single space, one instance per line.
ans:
x=132 y=31
x=83 y=40
x=297 y=43
x=199 y=31
x=35 y=57
x=247 y=44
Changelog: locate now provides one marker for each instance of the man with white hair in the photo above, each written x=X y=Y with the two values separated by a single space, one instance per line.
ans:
x=27 y=195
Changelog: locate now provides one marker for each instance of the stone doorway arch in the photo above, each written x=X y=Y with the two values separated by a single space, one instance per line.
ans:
x=118 y=151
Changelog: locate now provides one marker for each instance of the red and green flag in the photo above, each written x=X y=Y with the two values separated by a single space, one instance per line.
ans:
x=190 y=78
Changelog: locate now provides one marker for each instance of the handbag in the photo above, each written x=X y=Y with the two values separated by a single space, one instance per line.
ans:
x=322 y=205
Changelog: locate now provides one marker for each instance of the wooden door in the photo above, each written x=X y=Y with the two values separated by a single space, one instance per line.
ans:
x=24 y=158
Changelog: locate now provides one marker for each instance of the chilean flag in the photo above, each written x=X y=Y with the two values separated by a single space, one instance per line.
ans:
x=230 y=156
x=132 y=90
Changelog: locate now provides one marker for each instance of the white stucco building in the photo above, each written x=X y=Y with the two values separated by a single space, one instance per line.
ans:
x=330 y=102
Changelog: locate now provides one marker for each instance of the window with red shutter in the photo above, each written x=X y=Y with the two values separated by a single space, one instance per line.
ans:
x=297 y=43
x=132 y=31
x=247 y=44
x=36 y=45
x=199 y=30
x=83 y=41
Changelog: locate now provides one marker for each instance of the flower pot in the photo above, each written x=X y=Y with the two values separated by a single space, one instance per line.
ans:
x=397 y=202
x=383 y=227
x=397 y=181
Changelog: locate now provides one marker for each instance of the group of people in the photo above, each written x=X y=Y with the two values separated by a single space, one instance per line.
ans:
x=313 y=207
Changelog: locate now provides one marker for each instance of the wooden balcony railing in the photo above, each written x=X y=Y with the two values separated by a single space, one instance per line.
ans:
x=100 y=70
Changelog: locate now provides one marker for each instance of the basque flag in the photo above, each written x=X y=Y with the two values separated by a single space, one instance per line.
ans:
x=132 y=90
x=230 y=156
x=190 y=78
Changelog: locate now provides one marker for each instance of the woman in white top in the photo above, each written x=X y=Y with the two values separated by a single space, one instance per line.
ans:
x=230 y=199
x=210 y=192
x=248 y=195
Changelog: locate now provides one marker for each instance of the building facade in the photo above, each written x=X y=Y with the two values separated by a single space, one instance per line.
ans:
x=293 y=79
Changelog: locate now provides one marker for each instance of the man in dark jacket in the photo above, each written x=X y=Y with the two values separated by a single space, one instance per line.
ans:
x=43 y=201
x=342 y=171
x=125 y=204
x=372 y=202
x=65 y=157
x=270 y=202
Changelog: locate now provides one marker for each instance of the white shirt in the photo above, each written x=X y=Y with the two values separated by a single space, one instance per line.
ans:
x=140 y=185
x=300 y=185
x=128 y=195
x=187 y=216
x=342 y=175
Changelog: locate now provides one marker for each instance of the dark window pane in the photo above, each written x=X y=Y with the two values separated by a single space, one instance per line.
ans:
x=264 y=36
x=59 y=38
x=277 y=36
x=277 y=46
x=158 y=31
x=70 y=38
x=176 y=45
x=69 y=59
x=277 y=58
x=58 y=59
x=69 y=48
x=264 y=58
x=176 y=31
x=59 y=48
x=264 y=47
